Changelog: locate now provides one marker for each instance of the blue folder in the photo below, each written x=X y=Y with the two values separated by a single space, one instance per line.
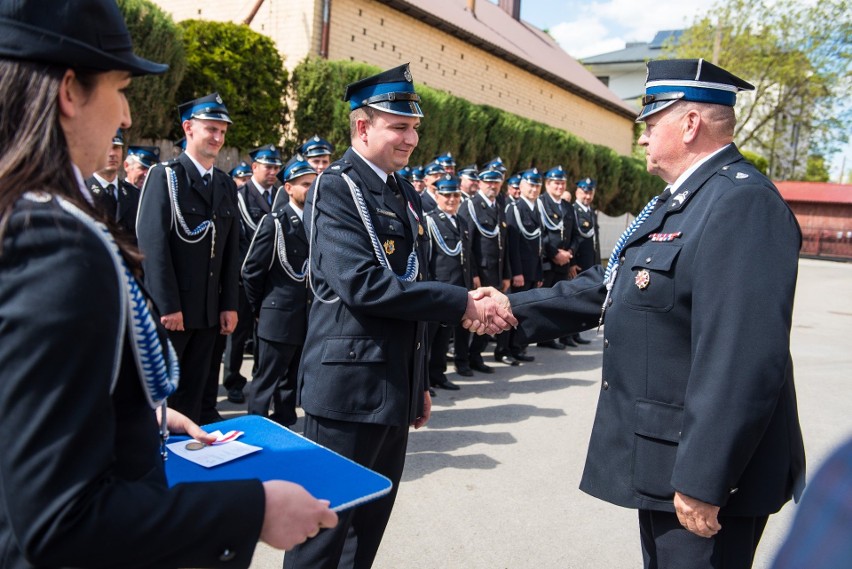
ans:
x=285 y=456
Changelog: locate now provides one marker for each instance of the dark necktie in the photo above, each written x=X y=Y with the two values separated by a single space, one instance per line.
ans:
x=396 y=191
x=110 y=201
x=206 y=179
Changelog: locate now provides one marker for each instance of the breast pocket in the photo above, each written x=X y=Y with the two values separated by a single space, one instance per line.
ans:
x=393 y=238
x=652 y=274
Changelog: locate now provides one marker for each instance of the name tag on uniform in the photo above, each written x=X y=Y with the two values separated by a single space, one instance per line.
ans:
x=386 y=213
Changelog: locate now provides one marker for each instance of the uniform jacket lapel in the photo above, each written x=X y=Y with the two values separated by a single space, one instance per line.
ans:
x=295 y=223
x=195 y=181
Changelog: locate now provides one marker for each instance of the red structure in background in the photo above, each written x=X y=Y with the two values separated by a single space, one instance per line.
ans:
x=824 y=212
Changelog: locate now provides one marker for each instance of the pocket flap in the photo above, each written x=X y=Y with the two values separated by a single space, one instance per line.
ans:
x=658 y=420
x=659 y=257
x=353 y=349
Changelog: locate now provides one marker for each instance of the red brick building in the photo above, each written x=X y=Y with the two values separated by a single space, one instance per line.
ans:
x=824 y=212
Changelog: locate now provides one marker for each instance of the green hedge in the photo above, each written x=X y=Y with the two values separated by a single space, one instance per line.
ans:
x=473 y=133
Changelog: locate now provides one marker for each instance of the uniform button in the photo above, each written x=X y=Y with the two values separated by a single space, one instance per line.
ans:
x=272 y=303
x=418 y=346
x=605 y=385
x=352 y=355
x=647 y=260
x=621 y=260
x=310 y=301
x=606 y=342
x=211 y=273
x=734 y=490
x=227 y=555
x=609 y=302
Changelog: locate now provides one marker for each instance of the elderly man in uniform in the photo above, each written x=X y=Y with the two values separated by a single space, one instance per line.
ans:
x=588 y=251
x=188 y=230
x=117 y=199
x=696 y=425
x=468 y=181
x=138 y=161
x=240 y=173
x=487 y=223
x=559 y=236
x=317 y=151
x=362 y=375
x=447 y=161
x=254 y=200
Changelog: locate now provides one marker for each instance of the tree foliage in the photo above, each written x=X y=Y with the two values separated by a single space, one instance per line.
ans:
x=797 y=55
x=817 y=169
x=244 y=67
x=155 y=37
x=473 y=133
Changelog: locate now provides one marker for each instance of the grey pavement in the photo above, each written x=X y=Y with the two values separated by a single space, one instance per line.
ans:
x=492 y=481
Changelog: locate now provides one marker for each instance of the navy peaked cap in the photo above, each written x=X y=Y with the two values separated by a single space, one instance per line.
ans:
x=447 y=184
x=297 y=166
x=673 y=80
x=241 y=170
x=316 y=146
x=145 y=155
x=266 y=154
x=391 y=91
x=556 y=173
x=209 y=107
x=532 y=176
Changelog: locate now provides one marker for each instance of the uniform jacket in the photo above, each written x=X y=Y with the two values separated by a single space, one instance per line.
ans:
x=364 y=355
x=588 y=252
x=280 y=302
x=184 y=276
x=452 y=269
x=252 y=208
x=427 y=201
x=554 y=239
x=490 y=255
x=128 y=203
x=82 y=480
x=697 y=392
x=524 y=254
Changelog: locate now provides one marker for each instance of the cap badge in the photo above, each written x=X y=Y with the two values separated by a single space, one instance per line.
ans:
x=643 y=278
x=407 y=75
x=390 y=246
x=218 y=99
x=741 y=176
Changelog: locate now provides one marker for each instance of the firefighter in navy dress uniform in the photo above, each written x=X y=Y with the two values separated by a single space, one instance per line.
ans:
x=254 y=200
x=588 y=253
x=486 y=220
x=241 y=173
x=696 y=425
x=117 y=199
x=362 y=379
x=525 y=246
x=138 y=161
x=449 y=262
x=317 y=151
x=188 y=229
x=84 y=365
x=274 y=278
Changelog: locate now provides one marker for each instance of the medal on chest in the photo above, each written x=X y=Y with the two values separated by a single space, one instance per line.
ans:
x=643 y=279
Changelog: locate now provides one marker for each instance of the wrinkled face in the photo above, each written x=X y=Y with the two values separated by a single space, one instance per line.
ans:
x=530 y=191
x=586 y=196
x=136 y=172
x=513 y=191
x=555 y=188
x=205 y=138
x=448 y=203
x=419 y=185
x=264 y=174
x=389 y=139
x=468 y=186
x=490 y=188
x=662 y=140
x=297 y=188
x=320 y=163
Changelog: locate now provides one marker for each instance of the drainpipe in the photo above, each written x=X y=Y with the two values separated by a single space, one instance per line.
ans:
x=253 y=12
x=326 y=21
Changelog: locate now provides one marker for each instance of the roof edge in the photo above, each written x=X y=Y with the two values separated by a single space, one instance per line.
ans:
x=460 y=33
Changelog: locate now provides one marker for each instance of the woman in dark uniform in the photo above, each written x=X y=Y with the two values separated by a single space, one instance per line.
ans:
x=84 y=368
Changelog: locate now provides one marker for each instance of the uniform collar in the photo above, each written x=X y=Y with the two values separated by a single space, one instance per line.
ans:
x=299 y=211
x=484 y=197
x=201 y=170
x=103 y=182
x=383 y=176
x=691 y=170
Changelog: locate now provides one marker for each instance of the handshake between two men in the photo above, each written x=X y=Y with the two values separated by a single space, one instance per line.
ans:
x=488 y=312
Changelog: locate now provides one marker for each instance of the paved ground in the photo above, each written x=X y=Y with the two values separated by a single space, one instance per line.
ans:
x=491 y=483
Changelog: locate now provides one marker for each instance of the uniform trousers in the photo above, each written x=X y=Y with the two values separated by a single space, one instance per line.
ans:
x=353 y=543
x=194 y=349
x=439 y=342
x=668 y=545
x=478 y=343
x=275 y=381
x=236 y=346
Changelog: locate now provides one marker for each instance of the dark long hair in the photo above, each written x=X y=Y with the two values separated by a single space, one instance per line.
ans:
x=34 y=153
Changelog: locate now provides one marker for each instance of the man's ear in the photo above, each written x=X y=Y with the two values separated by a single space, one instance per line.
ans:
x=692 y=123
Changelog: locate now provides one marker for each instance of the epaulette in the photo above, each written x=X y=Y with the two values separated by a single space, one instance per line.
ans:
x=338 y=167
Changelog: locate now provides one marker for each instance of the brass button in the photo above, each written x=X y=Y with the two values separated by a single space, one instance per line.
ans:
x=605 y=385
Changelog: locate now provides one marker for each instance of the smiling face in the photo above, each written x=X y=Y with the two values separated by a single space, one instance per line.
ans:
x=530 y=191
x=448 y=203
x=385 y=139
x=555 y=189
x=204 y=139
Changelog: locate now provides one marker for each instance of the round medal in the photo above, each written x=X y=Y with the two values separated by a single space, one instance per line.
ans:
x=643 y=278
x=195 y=445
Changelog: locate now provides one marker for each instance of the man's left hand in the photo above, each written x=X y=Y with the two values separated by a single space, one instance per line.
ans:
x=227 y=322
x=427 y=411
x=698 y=517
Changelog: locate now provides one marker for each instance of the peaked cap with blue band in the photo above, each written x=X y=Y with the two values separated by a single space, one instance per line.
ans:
x=118 y=139
x=209 y=107
x=147 y=156
x=495 y=163
x=447 y=184
x=241 y=170
x=556 y=173
x=266 y=154
x=586 y=184
x=316 y=146
x=297 y=166
x=673 y=80
x=446 y=159
x=514 y=181
x=433 y=168
x=404 y=173
x=531 y=176
x=470 y=172
x=417 y=174
x=391 y=91
x=492 y=174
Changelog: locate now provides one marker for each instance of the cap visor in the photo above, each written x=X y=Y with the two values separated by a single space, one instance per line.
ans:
x=654 y=107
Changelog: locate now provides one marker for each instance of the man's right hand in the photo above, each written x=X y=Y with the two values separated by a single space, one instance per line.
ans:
x=292 y=515
x=173 y=321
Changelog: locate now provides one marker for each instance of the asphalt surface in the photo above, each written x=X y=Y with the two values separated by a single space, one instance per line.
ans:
x=491 y=482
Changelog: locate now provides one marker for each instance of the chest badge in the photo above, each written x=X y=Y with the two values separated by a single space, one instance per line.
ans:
x=390 y=245
x=643 y=279
x=419 y=231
